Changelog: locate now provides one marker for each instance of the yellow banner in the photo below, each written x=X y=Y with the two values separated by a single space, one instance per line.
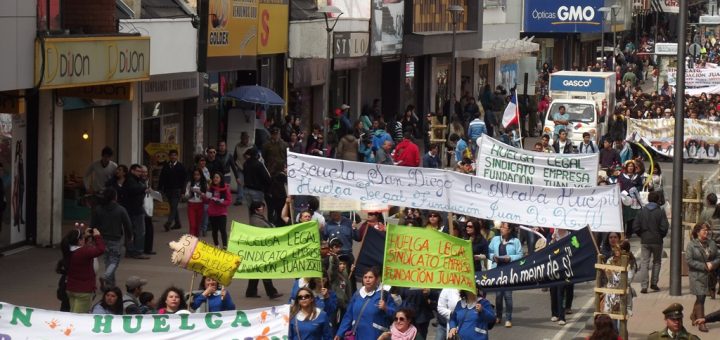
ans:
x=272 y=27
x=71 y=62
x=232 y=28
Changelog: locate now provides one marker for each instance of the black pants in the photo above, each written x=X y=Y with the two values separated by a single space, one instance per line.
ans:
x=561 y=298
x=149 y=235
x=252 y=287
x=219 y=223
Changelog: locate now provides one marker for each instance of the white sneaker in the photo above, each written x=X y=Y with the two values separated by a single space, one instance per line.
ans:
x=561 y=322
x=554 y=319
x=508 y=324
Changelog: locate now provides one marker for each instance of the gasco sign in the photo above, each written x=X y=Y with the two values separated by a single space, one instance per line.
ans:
x=71 y=62
x=570 y=16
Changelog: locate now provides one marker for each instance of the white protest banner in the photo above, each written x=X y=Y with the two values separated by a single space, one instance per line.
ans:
x=695 y=77
x=18 y=322
x=499 y=161
x=436 y=189
x=335 y=204
x=702 y=137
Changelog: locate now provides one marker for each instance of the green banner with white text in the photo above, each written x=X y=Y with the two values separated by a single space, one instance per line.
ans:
x=425 y=258
x=276 y=253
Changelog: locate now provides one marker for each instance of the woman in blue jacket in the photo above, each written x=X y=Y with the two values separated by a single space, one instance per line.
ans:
x=216 y=297
x=368 y=315
x=471 y=317
x=504 y=249
x=325 y=299
x=307 y=322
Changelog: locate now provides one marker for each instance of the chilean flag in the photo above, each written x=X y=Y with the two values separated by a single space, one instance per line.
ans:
x=512 y=112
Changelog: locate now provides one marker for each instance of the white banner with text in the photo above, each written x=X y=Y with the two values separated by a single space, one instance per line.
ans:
x=18 y=322
x=499 y=161
x=702 y=137
x=443 y=190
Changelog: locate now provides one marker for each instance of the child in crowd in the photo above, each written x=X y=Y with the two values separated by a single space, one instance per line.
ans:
x=147 y=303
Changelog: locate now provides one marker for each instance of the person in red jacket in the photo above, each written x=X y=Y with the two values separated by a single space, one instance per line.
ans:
x=79 y=251
x=407 y=153
x=218 y=198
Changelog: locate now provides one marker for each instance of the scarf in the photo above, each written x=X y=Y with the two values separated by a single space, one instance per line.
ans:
x=409 y=334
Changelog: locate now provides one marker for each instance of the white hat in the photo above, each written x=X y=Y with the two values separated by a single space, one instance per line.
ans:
x=344 y=106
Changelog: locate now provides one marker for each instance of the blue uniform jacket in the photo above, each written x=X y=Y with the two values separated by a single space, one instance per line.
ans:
x=215 y=302
x=328 y=305
x=470 y=323
x=343 y=231
x=317 y=329
x=373 y=321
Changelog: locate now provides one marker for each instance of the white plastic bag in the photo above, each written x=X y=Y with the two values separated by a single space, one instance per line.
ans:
x=148 y=205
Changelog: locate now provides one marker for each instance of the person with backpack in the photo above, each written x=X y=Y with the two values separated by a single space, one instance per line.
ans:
x=131 y=298
x=587 y=146
x=472 y=317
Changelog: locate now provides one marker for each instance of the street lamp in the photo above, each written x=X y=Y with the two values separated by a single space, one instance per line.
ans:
x=615 y=10
x=329 y=14
x=604 y=11
x=455 y=13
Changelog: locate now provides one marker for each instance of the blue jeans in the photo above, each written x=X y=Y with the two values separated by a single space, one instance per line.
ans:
x=441 y=332
x=240 y=187
x=252 y=195
x=505 y=295
x=112 y=260
x=138 y=245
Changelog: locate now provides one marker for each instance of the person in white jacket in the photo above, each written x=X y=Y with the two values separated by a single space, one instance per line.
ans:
x=446 y=303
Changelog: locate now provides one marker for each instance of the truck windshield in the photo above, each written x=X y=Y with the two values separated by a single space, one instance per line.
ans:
x=584 y=113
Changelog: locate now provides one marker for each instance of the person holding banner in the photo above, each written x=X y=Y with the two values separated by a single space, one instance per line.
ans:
x=214 y=297
x=504 y=249
x=368 y=311
x=172 y=301
x=258 y=219
x=307 y=322
x=472 y=317
x=479 y=243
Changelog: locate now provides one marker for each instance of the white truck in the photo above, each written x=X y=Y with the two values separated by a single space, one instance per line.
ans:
x=589 y=99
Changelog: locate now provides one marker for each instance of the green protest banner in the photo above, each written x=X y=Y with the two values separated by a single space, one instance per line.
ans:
x=425 y=258
x=276 y=253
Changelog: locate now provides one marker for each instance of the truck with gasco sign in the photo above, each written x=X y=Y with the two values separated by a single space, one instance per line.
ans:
x=589 y=99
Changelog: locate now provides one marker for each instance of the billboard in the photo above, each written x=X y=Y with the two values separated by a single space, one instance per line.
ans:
x=387 y=27
x=561 y=16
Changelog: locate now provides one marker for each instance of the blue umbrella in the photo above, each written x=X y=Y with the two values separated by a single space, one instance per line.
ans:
x=256 y=94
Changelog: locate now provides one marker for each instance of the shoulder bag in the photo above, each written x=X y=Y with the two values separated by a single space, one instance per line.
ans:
x=350 y=335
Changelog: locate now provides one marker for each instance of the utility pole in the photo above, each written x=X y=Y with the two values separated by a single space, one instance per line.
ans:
x=676 y=232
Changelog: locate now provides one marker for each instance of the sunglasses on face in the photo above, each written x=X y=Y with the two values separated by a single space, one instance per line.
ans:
x=400 y=318
x=304 y=297
x=434 y=215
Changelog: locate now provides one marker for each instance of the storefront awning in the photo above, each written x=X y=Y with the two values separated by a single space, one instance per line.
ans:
x=496 y=48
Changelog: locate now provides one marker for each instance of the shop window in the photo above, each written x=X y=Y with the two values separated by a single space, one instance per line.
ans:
x=162 y=132
x=48 y=16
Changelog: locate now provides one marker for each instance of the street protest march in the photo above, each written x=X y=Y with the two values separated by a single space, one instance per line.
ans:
x=571 y=260
x=702 y=137
x=425 y=258
x=276 y=253
x=499 y=161
x=695 y=77
x=18 y=322
x=443 y=190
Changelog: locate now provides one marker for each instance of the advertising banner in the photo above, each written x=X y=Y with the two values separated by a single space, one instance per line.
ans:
x=18 y=322
x=276 y=253
x=232 y=28
x=272 y=27
x=388 y=17
x=352 y=9
x=569 y=260
x=499 y=161
x=426 y=258
x=69 y=62
x=702 y=137
x=443 y=190
x=696 y=77
x=563 y=16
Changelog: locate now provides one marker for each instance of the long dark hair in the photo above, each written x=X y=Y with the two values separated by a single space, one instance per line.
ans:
x=604 y=328
x=295 y=308
x=203 y=183
x=476 y=229
x=71 y=239
x=117 y=308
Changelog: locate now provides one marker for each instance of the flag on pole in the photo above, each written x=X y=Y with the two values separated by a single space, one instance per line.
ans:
x=512 y=112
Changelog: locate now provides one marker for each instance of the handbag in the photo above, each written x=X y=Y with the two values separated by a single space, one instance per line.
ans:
x=457 y=335
x=148 y=205
x=643 y=196
x=350 y=335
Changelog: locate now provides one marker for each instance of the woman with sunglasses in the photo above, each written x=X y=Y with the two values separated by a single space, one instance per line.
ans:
x=504 y=249
x=435 y=222
x=306 y=320
x=479 y=243
x=368 y=311
x=472 y=317
x=403 y=327
x=324 y=298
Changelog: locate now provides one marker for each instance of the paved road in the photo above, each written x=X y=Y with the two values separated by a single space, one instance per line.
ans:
x=29 y=279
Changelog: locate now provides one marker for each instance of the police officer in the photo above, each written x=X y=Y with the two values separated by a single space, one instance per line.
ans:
x=674 y=323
